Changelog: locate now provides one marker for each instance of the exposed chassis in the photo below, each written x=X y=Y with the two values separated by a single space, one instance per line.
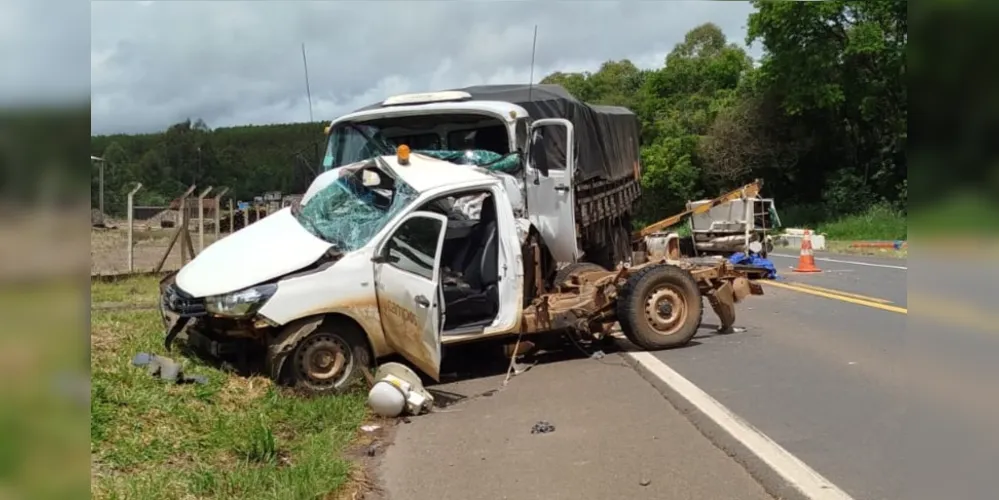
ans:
x=586 y=302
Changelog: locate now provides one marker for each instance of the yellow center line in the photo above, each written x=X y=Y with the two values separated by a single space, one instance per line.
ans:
x=838 y=292
x=838 y=296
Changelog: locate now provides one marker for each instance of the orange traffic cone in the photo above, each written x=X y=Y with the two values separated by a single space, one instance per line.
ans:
x=806 y=261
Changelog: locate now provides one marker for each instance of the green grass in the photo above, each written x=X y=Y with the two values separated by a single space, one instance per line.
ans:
x=233 y=437
x=132 y=290
x=880 y=222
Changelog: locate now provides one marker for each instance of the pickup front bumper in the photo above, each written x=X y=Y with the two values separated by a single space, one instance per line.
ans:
x=182 y=313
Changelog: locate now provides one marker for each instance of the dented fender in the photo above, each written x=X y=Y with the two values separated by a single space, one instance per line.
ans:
x=283 y=345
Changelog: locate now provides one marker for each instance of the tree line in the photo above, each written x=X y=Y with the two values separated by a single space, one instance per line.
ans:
x=822 y=117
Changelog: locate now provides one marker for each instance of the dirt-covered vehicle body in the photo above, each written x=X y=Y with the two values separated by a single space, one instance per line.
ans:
x=383 y=257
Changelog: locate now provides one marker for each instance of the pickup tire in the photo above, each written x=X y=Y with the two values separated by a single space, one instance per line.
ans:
x=660 y=307
x=331 y=360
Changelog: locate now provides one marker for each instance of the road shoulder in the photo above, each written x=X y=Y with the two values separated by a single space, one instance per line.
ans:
x=615 y=437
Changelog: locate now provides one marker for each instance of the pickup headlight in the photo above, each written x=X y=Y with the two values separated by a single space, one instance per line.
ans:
x=242 y=303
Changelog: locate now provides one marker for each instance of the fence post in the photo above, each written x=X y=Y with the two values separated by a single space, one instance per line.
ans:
x=201 y=218
x=184 y=219
x=232 y=218
x=131 y=249
x=218 y=211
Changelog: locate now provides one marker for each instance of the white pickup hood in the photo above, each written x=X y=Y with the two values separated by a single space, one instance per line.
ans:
x=271 y=247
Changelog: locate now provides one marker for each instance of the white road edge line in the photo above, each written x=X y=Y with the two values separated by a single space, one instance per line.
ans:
x=843 y=261
x=799 y=475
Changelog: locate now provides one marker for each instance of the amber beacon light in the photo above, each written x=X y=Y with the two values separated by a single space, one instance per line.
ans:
x=403 y=154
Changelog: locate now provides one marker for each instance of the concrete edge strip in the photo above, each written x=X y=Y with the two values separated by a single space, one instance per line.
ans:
x=780 y=473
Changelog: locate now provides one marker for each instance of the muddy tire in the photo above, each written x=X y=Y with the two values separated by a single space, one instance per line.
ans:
x=660 y=307
x=566 y=272
x=330 y=361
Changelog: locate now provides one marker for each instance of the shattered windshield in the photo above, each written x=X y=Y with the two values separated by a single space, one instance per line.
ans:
x=352 y=209
x=355 y=142
x=488 y=160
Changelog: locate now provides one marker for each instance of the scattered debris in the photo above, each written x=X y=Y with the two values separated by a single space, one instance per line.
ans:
x=542 y=427
x=645 y=481
x=373 y=449
x=597 y=355
x=732 y=329
x=166 y=369
x=370 y=428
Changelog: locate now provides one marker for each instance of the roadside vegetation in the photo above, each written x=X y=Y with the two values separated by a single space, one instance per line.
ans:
x=878 y=223
x=233 y=437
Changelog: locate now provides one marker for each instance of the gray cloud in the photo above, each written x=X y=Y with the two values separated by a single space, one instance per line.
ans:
x=229 y=63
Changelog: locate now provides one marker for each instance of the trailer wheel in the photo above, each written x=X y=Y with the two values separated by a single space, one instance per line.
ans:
x=330 y=360
x=660 y=307
x=563 y=275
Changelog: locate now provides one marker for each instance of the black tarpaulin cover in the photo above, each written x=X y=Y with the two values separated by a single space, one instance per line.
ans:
x=606 y=137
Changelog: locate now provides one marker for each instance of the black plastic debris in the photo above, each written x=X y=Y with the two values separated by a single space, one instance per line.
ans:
x=166 y=369
x=542 y=427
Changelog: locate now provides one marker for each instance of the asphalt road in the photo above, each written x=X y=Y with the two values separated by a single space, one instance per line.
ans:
x=828 y=369
x=614 y=436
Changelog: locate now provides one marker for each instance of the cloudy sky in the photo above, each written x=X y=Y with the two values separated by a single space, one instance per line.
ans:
x=229 y=62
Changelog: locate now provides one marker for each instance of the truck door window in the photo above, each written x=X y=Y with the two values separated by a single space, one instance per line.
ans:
x=413 y=246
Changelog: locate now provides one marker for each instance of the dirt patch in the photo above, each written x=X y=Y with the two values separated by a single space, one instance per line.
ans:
x=109 y=249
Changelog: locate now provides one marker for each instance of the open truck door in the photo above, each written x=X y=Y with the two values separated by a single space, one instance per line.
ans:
x=407 y=270
x=550 y=194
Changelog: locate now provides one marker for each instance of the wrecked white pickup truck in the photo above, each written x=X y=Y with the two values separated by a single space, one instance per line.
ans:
x=373 y=263
x=405 y=253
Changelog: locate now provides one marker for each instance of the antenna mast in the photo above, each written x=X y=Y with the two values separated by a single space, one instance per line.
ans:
x=308 y=91
x=534 y=48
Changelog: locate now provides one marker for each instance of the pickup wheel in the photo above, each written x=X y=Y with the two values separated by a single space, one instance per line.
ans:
x=660 y=307
x=330 y=361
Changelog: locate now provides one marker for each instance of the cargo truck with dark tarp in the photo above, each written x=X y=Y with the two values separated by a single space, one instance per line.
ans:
x=538 y=137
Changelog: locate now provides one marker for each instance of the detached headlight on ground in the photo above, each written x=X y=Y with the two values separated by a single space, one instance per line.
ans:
x=242 y=303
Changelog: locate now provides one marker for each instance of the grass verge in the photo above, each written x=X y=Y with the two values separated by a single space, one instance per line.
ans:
x=233 y=437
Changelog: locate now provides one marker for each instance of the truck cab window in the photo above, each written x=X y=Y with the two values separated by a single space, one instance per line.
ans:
x=413 y=246
x=350 y=143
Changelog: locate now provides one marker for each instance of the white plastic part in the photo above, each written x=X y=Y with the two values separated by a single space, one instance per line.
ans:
x=386 y=399
x=398 y=390
x=422 y=98
x=755 y=247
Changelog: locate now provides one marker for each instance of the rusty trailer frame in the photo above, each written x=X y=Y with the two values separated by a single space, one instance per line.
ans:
x=586 y=302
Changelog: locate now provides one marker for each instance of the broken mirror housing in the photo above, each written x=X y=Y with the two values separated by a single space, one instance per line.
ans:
x=242 y=303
